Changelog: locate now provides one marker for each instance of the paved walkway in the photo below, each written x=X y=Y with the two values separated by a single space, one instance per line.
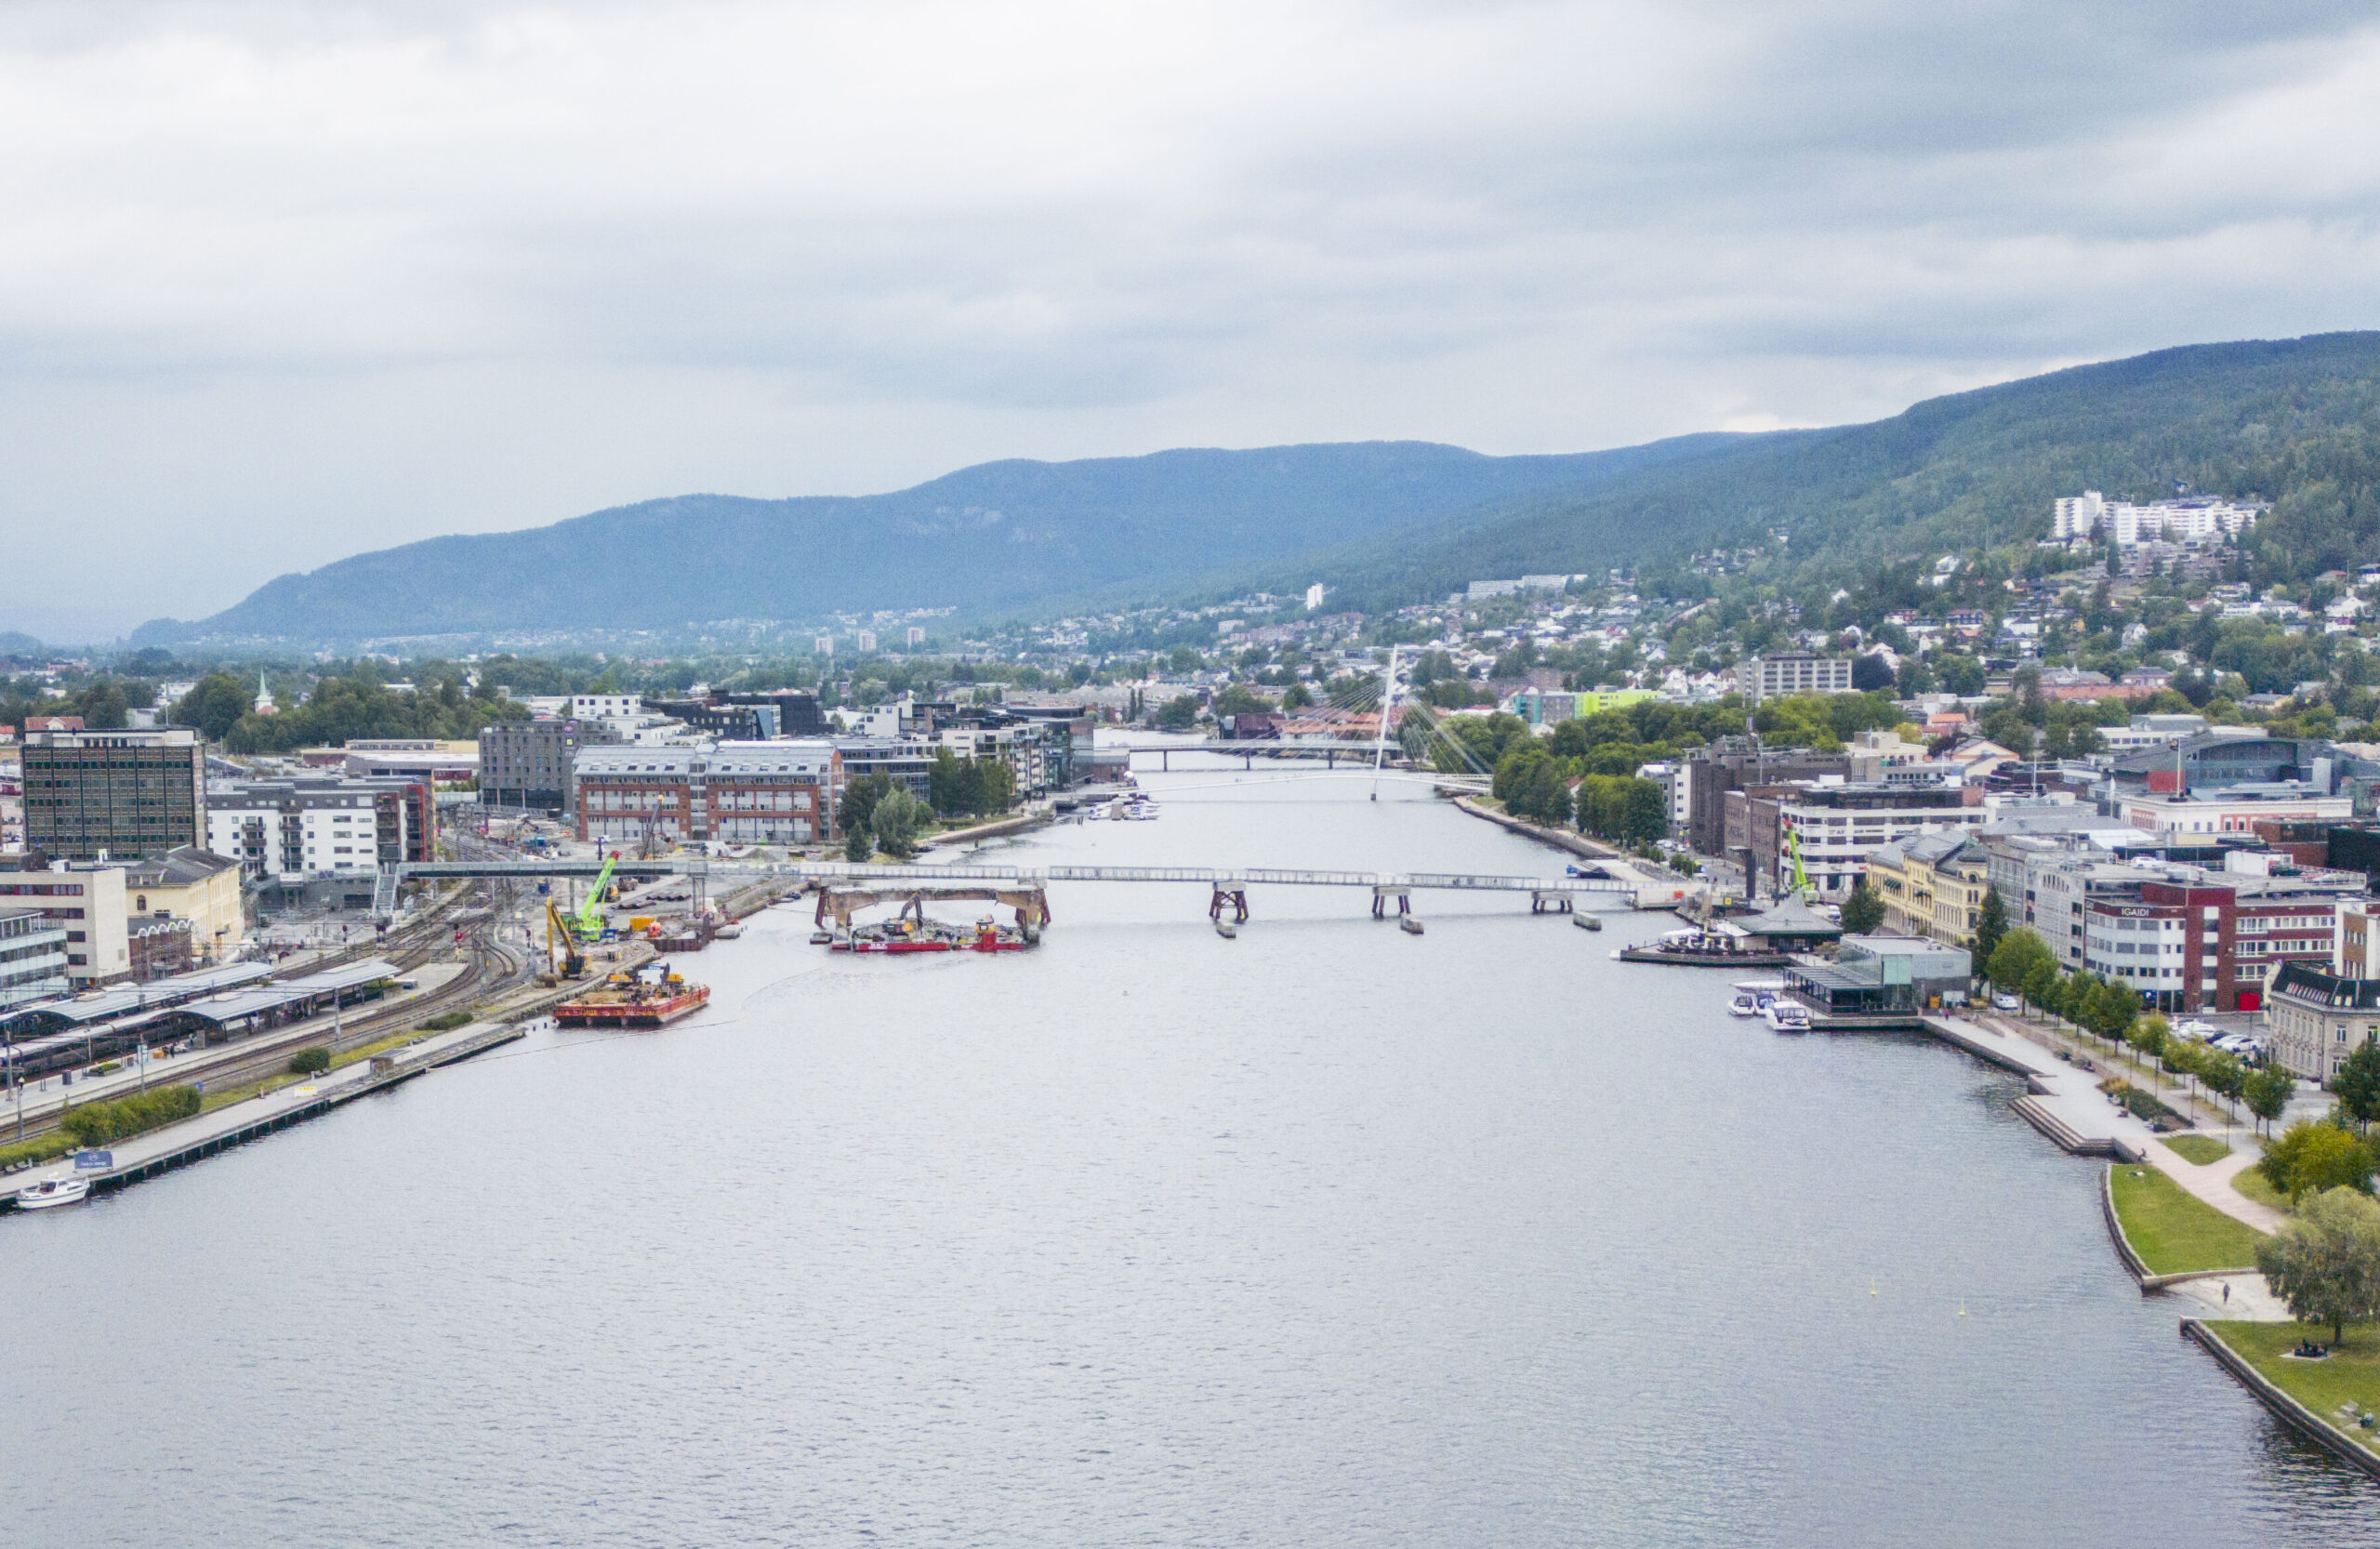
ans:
x=2249 y=1299
x=2212 y=1183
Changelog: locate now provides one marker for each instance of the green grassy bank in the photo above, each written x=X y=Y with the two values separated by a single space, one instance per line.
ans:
x=2175 y=1232
x=2351 y=1375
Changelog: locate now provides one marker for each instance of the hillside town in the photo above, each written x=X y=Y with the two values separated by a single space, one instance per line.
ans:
x=2155 y=767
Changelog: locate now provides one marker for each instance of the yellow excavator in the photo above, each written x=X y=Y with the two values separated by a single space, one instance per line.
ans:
x=563 y=956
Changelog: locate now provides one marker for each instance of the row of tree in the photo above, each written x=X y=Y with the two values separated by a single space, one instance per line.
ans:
x=339 y=709
x=2021 y=964
x=880 y=813
x=1534 y=782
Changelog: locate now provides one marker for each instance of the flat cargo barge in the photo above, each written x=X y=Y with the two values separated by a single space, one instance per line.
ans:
x=643 y=997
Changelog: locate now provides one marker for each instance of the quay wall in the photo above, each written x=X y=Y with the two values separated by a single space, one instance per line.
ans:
x=2296 y=1415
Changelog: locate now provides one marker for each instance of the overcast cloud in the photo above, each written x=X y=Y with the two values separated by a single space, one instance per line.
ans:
x=280 y=283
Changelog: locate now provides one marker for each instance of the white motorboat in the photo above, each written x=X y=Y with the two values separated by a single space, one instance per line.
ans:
x=50 y=1192
x=1787 y=1016
x=1743 y=1005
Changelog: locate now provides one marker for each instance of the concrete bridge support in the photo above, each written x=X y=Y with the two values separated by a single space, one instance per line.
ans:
x=1383 y=892
x=1555 y=903
x=1231 y=894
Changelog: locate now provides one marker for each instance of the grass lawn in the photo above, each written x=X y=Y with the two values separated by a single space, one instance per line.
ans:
x=2196 y=1149
x=2256 y=1186
x=2351 y=1375
x=2172 y=1231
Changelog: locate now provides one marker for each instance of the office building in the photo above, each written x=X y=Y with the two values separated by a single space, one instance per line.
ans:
x=33 y=956
x=86 y=902
x=527 y=764
x=126 y=793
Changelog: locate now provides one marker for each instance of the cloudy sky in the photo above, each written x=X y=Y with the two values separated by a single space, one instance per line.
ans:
x=279 y=283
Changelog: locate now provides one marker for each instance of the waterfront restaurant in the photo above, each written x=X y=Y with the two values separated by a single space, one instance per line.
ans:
x=1884 y=976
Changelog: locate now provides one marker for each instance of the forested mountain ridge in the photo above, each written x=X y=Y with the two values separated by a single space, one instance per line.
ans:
x=1012 y=535
x=2294 y=422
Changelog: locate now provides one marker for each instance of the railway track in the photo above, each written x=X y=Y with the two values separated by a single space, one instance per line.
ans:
x=492 y=968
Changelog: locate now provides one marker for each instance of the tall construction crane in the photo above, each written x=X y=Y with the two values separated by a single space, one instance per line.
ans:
x=591 y=918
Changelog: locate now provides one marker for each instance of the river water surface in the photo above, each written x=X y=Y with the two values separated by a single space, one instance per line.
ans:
x=1325 y=1235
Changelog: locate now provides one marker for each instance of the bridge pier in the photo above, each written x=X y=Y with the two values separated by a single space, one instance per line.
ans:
x=1232 y=895
x=1558 y=903
x=1382 y=893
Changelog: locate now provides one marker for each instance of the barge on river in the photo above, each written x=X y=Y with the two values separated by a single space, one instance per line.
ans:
x=648 y=996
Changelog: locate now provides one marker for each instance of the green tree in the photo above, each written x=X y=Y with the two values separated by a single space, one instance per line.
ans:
x=1179 y=713
x=896 y=822
x=2014 y=961
x=2041 y=982
x=1863 y=912
x=859 y=801
x=859 y=845
x=1238 y=699
x=214 y=705
x=2357 y=1083
x=2267 y=1093
x=1297 y=696
x=1991 y=923
x=2151 y=1037
x=2325 y=1261
x=2311 y=1157
x=944 y=792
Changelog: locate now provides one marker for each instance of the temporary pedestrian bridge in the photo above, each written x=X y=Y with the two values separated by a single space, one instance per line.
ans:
x=1227 y=887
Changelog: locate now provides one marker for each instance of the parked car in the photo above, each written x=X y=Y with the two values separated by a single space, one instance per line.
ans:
x=2005 y=1003
x=2194 y=1031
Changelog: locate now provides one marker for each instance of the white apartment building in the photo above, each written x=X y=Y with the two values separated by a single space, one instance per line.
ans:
x=1759 y=678
x=286 y=829
x=2092 y=515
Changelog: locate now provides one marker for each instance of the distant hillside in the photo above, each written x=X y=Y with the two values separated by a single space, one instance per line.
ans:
x=2296 y=422
x=999 y=538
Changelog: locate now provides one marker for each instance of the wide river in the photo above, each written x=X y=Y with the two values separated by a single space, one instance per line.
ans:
x=1328 y=1234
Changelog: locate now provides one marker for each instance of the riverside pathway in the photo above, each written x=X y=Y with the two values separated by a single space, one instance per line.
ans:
x=2072 y=1096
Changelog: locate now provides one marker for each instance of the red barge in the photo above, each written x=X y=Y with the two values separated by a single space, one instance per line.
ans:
x=648 y=996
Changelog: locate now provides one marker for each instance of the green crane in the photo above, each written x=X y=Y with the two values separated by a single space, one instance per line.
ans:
x=1802 y=888
x=589 y=919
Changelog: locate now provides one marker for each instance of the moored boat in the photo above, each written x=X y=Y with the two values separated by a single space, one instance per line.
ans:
x=1787 y=1016
x=51 y=1192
